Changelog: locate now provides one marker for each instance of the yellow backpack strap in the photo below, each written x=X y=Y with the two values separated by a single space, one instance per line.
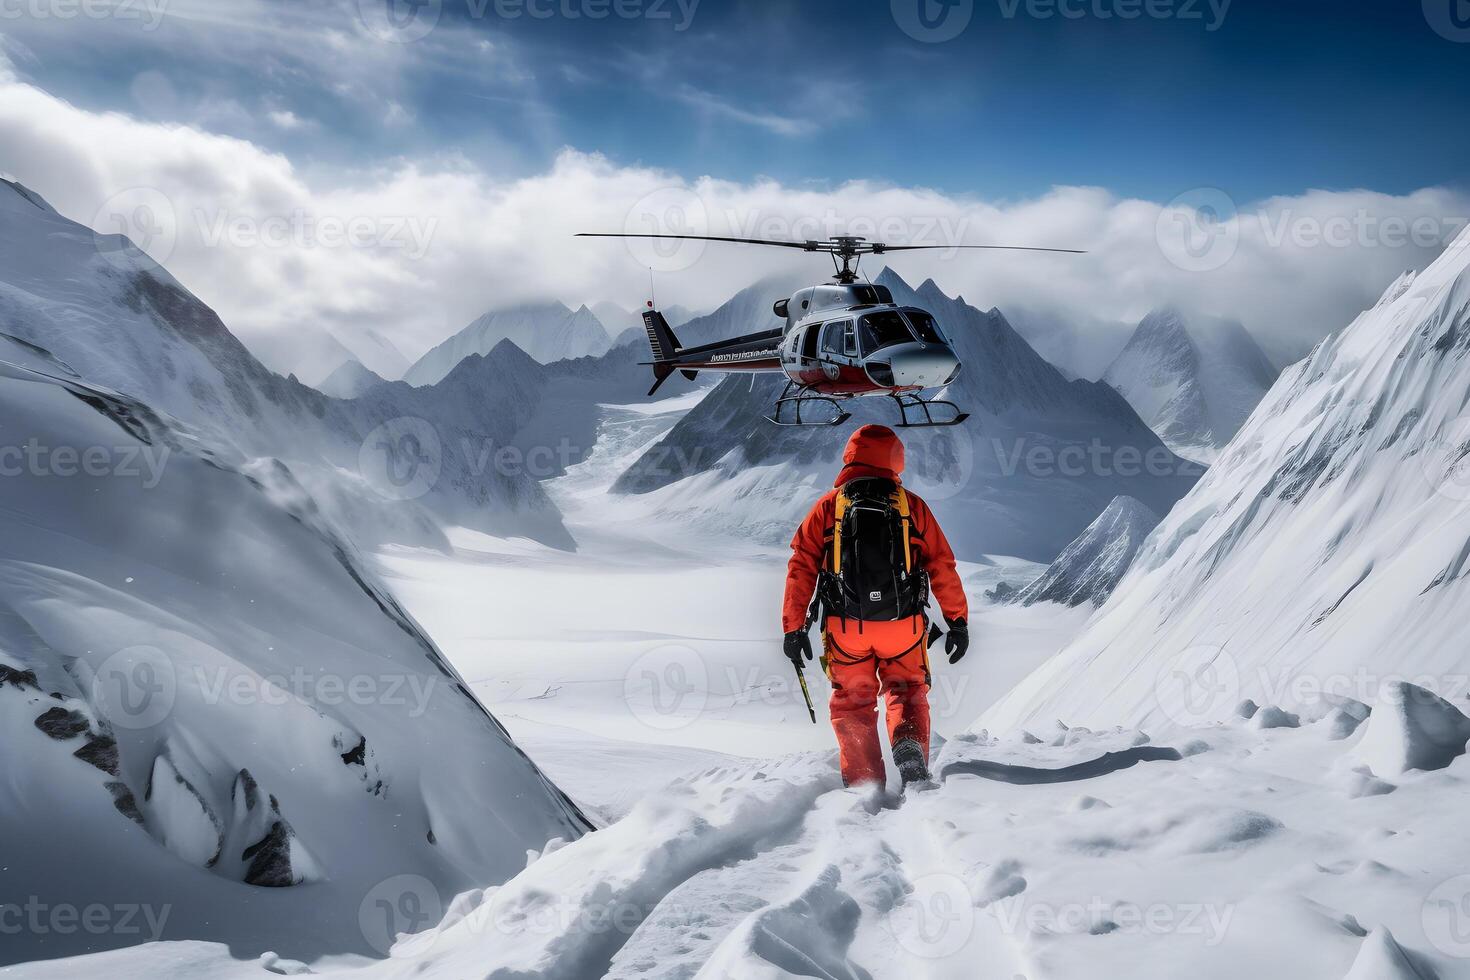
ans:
x=901 y=501
x=839 y=514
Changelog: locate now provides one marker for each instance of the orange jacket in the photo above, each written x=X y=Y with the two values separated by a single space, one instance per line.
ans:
x=872 y=451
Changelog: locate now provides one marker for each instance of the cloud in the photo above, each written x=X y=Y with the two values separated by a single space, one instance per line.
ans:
x=711 y=104
x=415 y=248
x=285 y=119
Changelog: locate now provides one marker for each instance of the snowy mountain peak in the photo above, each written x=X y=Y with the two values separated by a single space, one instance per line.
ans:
x=1089 y=567
x=547 y=331
x=349 y=380
x=1194 y=380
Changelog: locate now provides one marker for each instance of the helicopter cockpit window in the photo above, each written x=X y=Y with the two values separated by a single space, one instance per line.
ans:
x=884 y=329
x=836 y=337
x=924 y=326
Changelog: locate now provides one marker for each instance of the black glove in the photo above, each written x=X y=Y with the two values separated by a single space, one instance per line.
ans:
x=796 y=643
x=957 y=640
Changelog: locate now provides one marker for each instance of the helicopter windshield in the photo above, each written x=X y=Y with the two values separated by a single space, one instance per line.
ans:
x=924 y=326
x=884 y=329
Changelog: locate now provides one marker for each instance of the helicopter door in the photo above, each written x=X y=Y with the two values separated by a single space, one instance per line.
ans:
x=836 y=340
x=809 y=342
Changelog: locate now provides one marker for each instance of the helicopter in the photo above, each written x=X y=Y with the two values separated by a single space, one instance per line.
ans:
x=841 y=340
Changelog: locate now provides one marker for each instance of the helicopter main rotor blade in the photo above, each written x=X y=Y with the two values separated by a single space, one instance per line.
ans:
x=881 y=248
x=804 y=246
x=850 y=247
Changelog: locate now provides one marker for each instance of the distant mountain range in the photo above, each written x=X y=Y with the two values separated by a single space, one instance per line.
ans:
x=117 y=318
x=546 y=331
x=1039 y=459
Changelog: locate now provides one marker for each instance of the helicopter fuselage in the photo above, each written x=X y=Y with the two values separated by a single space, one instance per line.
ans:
x=840 y=339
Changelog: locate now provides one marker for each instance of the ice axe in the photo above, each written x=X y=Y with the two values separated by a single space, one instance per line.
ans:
x=801 y=679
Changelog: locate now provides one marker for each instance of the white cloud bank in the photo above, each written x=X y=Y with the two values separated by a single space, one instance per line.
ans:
x=415 y=248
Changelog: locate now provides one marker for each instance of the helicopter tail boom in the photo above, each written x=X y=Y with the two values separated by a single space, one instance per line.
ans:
x=665 y=347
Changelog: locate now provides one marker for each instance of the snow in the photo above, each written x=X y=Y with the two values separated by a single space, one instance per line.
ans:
x=1322 y=556
x=1382 y=959
x=768 y=868
x=230 y=695
x=1411 y=728
x=1097 y=821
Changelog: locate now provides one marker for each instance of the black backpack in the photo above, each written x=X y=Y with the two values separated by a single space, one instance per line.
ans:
x=870 y=572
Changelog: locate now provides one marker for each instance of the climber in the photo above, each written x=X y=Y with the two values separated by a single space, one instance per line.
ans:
x=866 y=558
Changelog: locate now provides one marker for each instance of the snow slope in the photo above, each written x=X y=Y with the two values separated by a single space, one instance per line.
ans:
x=1194 y=380
x=547 y=331
x=1090 y=567
x=387 y=467
x=1084 y=854
x=1323 y=553
x=1038 y=460
x=208 y=697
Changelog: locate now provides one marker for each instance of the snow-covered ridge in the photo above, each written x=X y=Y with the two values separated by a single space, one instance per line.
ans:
x=202 y=684
x=123 y=322
x=1194 y=380
x=1324 y=553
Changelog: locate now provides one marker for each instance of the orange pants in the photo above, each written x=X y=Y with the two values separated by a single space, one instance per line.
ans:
x=883 y=657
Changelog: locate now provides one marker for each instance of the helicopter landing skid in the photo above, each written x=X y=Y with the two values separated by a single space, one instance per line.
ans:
x=908 y=402
x=802 y=397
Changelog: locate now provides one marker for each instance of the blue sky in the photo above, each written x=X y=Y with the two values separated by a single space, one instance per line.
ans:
x=1260 y=97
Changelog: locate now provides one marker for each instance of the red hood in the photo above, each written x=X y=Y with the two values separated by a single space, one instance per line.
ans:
x=873 y=451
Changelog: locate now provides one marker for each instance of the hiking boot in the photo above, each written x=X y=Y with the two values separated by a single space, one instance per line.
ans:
x=908 y=755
